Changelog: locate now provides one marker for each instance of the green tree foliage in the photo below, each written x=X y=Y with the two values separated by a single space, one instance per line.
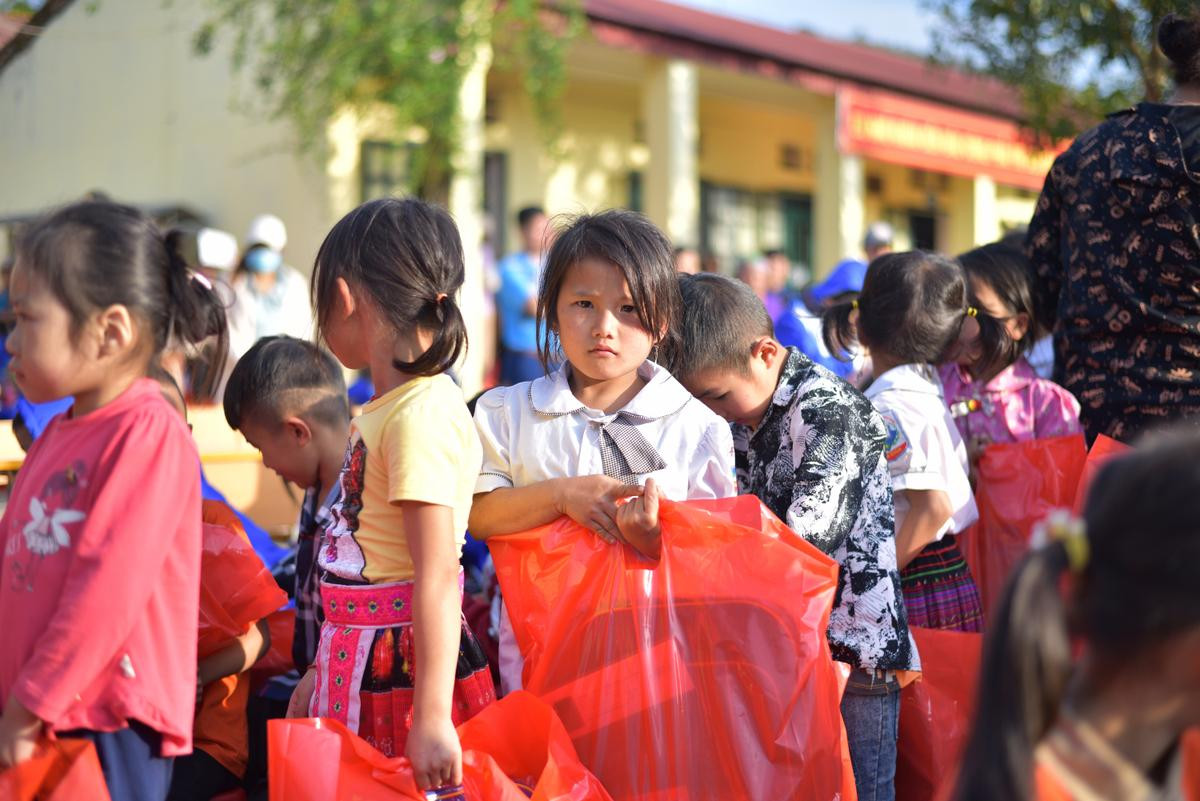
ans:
x=1073 y=61
x=313 y=58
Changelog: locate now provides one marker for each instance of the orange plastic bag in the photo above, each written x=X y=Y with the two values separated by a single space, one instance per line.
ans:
x=61 y=770
x=1103 y=449
x=1191 y=764
x=236 y=589
x=707 y=675
x=1017 y=485
x=936 y=712
x=517 y=739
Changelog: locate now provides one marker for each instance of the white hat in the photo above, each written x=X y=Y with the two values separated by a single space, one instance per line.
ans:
x=879 y=234
x=269 y=230
x=216 y=249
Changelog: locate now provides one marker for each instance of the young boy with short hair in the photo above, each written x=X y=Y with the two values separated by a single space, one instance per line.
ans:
x=813 y=449
x=288 y=398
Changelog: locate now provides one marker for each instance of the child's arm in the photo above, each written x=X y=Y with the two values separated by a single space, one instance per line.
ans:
x=433 y=746
x=19 y=731
x=237 y=657
x=928 y=512
x=590 y=501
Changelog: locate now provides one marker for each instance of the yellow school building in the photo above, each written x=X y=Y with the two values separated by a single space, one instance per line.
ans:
x=734 y=137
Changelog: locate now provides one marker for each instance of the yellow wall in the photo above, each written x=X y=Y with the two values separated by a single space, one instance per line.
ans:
x=113 y=99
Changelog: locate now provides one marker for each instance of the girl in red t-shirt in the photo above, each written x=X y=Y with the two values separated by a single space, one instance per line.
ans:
x=100 y=568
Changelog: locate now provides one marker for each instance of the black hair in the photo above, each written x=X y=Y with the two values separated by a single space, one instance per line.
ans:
x=168 y=384
x=1126 y=599
x=721 y=320
x=1179 y=39
x=407 y=257
x=912 y=307
x=1009 y=273
x=527 y=215
x=96 y=253
x=281 y=368
x=635 y=246
x=772 y=253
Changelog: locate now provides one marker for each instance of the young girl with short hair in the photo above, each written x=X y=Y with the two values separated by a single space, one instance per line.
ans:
x=913 y=313
x=1003 y=400
x=609 y=423
x=109 y=492
x=396 y=663
x=1089 y=674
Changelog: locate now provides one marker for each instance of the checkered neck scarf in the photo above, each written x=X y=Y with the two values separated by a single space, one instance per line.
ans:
x=624 y=453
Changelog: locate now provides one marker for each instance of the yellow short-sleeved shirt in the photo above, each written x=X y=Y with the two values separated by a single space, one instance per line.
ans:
x=416 y=443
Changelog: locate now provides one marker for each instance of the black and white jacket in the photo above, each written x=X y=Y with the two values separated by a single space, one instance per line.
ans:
x=818 y=461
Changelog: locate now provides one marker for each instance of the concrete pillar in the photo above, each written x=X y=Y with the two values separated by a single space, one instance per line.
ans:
x=670 y=113
x=466 y=205
x=974 y=217
x=838 y=203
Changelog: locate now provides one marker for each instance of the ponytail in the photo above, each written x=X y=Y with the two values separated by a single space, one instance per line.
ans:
x=838 y=330
x=195 y=315
x=443 y=317
x=1026 y=664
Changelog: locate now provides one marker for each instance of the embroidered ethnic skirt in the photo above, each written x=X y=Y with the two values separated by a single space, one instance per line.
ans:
x=365 y=665
x=939 y=592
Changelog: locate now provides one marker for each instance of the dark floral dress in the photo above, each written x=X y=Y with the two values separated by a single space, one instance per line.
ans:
x=1115 y=241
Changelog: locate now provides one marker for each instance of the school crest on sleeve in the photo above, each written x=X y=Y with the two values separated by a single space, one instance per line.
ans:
x=897 y=447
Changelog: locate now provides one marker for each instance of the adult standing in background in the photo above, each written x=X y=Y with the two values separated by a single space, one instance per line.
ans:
x=271 y=297
x=878 y=240
x=520 y=273
x=1115 y=241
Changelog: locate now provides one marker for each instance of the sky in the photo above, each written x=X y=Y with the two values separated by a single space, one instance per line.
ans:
x=899 y=23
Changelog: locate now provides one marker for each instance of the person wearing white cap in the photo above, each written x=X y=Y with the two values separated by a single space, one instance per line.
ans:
x=878 y=240
x=271 y=297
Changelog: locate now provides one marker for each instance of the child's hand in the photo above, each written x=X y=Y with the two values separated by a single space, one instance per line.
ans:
x=302 y=695
x=592 y=501
x=435 y=753
x=638 y=522
x=19 y=731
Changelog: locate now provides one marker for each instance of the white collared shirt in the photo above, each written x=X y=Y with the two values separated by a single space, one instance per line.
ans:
x=924 y=449
x=539 y=430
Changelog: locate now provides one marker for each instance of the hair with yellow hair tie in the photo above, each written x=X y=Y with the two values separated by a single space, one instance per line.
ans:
x=1064 y=528
x=854 y=304
x=972 y=311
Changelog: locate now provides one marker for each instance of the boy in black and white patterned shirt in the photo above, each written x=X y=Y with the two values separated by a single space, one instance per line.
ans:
x=812 y=448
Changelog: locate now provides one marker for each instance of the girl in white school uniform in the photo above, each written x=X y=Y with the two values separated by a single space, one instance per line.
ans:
x=609 y=423
x=913 y=313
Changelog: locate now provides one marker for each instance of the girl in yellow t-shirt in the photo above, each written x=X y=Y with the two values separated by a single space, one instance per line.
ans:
x=395 y=662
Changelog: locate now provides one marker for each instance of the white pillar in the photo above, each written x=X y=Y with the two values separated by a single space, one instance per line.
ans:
x=838 y=204
x=987 y=213
x=671 y=117
x=466 y=205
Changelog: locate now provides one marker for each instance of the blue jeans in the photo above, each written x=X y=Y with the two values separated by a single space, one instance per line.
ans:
x=871 y=711
x=131 y=761
x=517 y=366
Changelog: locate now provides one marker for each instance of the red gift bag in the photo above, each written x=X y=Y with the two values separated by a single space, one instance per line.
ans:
x=936 y=712
x=706 y=675
x=60 y=770
x=236 y=589
x=1103 y=449
x=1017 y=485
x=515 y=743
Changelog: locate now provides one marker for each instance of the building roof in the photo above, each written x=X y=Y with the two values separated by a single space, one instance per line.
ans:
x=858 y=63
x=714 y=34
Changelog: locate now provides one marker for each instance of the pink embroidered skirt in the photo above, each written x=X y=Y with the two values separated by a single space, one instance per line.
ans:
x=365 y=667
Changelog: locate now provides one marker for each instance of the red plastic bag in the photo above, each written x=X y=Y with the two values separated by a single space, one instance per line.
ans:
x=1191 y=764
x=1103 y=449
x=1017 y=485
x=936 y=712
x=236 y=589
x=707 y=675
x=60 y=770
x=517 y=739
